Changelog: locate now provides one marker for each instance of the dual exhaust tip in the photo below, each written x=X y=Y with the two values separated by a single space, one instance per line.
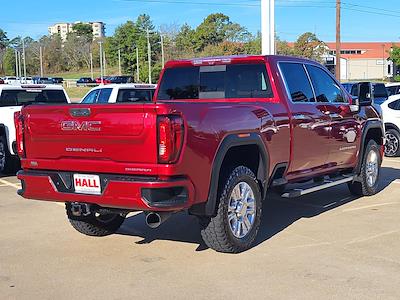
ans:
x=155 y=219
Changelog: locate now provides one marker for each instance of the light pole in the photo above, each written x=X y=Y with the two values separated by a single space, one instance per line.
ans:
x=41 y=61
x=338 y=46
x=91 y=64
x=137 y=65
x=101 y=61
x=119 y=62
x=16 y=63
x=162 y=51
x=23 y=56
x=268 y=27
x=149 y=54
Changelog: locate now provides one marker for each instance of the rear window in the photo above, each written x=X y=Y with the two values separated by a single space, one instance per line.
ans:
x=21 y=97
x=218 y=82
x=134 y=95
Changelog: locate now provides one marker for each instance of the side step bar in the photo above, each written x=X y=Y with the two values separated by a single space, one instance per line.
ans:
x=324 y=185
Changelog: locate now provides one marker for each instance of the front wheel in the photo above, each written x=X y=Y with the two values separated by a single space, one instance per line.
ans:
x=392 y=146
x=234 y=227
x=95 y=224
x=370 y=170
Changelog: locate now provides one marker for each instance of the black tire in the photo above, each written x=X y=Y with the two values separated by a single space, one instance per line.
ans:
x=216 y=231
x=94 y=225
x=363 y=187
x=392 y=147
x=8 y=164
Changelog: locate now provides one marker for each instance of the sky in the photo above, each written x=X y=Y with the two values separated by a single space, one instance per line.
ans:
x=362 y=20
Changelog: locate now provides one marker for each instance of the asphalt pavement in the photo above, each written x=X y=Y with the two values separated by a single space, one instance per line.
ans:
x=327 y=245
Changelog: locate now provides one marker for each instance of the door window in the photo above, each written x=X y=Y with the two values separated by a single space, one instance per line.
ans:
x=104 y=96
x=326 y=89
x=91 y=97
x=297 y=82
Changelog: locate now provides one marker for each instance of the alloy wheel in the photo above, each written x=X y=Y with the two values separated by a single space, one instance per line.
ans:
x=241 y=210
x=392 y=144
x=372 y=167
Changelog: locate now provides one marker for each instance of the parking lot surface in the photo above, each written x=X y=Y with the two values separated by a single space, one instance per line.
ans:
x=328 y=245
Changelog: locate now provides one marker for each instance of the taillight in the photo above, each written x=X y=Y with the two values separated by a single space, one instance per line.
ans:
x=19 y=132
x=170 y=138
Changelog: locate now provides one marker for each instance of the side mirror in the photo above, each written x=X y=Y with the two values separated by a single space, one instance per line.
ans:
x=364 y=94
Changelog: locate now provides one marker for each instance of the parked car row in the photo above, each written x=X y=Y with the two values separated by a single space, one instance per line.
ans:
x=30 y=80
x=87 y=81
x=386 y=98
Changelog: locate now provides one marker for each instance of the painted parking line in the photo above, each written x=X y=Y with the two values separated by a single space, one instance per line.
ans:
x=7 y=183
x=369 y=206
x=391 y=160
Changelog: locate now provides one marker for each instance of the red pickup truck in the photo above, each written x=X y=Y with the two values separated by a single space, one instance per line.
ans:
x=218 y=135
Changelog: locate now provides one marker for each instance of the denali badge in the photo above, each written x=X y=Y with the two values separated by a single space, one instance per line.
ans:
x=85 y=150
x=80 y=126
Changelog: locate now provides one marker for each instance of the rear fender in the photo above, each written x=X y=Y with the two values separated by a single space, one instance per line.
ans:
x=228 y=142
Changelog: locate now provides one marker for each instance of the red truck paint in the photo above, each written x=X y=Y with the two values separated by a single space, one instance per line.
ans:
x=123 y=140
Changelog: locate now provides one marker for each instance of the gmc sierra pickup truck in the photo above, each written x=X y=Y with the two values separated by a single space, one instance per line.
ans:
x=219 y=133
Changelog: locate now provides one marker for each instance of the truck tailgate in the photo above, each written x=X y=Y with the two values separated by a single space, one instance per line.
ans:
x=122 y=133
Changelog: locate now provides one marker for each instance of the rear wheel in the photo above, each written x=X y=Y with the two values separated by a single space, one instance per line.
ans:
x=370 y=170
x=234 y=227
x=95 y=224
x=7 y=162
x=392 y=146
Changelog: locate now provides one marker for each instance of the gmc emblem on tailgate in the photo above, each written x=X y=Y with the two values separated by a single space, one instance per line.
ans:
x=80 y=126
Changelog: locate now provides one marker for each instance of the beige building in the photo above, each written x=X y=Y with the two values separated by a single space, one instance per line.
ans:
x=64 y=28
x=362 y=61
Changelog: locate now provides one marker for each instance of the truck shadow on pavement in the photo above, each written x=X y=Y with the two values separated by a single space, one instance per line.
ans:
x=278 y=214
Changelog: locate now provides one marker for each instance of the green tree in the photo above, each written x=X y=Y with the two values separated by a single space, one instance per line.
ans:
x=82 y=29
x=309 y=46
x=3 y=45
x=395 y=55
x=185 y=40
x=3 y=39
x=217 y=28
x=9 y=62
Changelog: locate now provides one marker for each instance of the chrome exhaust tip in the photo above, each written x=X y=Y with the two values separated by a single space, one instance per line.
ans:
x=155 y=219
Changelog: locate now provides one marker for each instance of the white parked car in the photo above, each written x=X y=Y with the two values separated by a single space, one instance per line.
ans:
x=12 y=98
x=393 y=88
x=120 y=93
x=11 y=80
x=391 y=119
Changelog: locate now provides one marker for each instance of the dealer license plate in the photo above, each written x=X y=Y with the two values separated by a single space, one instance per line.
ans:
x=87 y=184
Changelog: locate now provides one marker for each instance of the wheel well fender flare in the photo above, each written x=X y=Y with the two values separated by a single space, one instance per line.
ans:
x=371 y=124
x=391 y=125
x=227 y=143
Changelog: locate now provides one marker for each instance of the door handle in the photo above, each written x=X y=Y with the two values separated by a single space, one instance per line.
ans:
x=302 y=117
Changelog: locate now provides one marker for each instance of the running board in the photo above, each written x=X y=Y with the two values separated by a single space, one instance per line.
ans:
x=324 y=185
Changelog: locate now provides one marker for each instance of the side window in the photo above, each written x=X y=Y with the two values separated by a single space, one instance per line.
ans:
x=326 y=89
x=247 y=81
x=91 y=97
x=394 y=105
x=297 y=82
x=104 y=96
